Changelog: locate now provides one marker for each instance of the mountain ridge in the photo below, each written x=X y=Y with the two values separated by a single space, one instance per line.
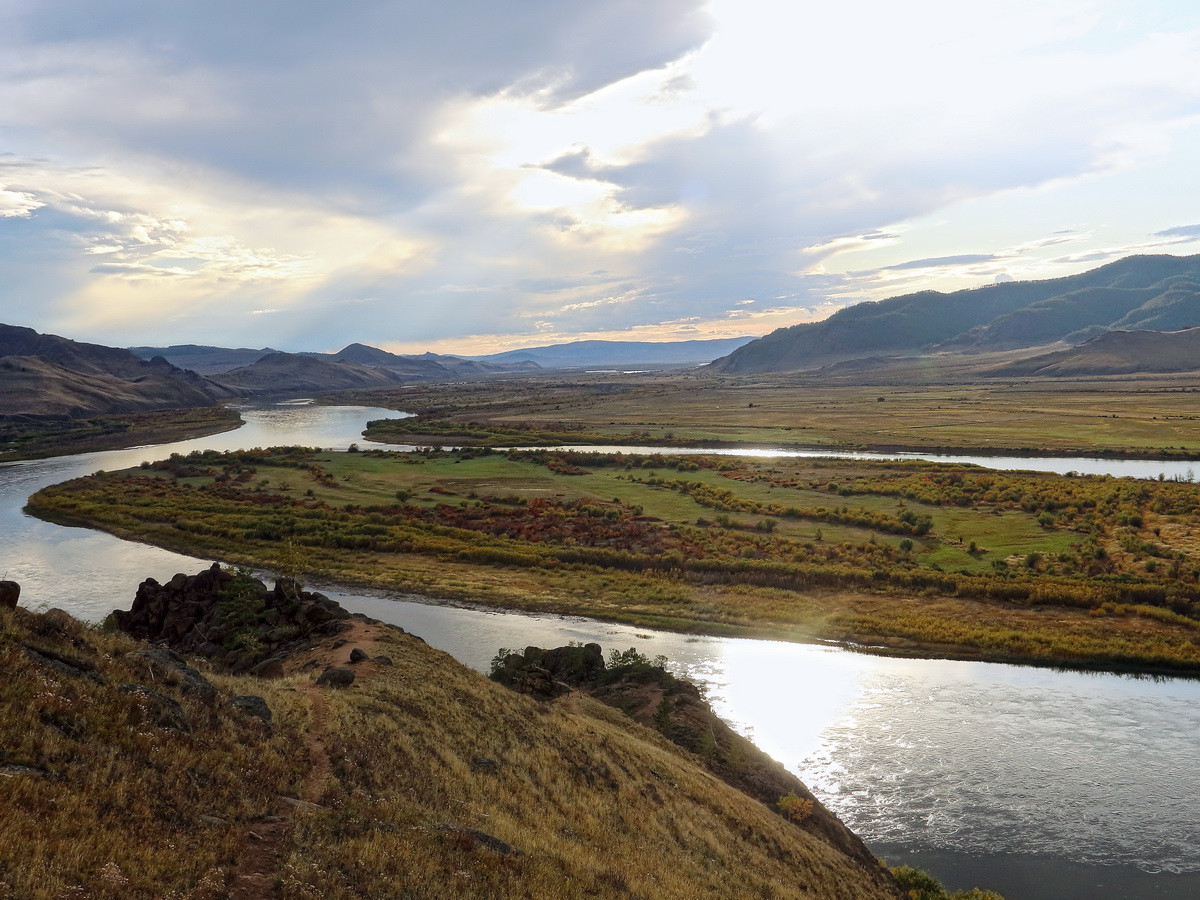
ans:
x=48 y=376
x=1129 y=293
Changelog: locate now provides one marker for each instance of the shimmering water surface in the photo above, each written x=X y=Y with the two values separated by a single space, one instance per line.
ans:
x=1048 y=785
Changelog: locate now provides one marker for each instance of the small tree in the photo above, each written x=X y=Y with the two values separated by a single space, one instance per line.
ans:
x=795 y=808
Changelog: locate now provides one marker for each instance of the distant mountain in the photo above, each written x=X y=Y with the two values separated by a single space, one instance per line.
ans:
x=205 y=360
x=1117 y=353
x=427 y=365
x=1158 y=292
x=279 y=373
x=47 y=376
x=620 y=353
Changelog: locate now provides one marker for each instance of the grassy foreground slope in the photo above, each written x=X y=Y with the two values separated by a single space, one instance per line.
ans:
x=916 y=558
x=422 y=779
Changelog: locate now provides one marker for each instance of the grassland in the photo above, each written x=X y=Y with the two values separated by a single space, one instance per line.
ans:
x=34 y=440
x=422 y=779
x=916 y=558
x=1136 y=417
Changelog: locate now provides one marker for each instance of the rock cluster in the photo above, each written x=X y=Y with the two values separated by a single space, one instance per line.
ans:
x=232 y=619
x=549 y=673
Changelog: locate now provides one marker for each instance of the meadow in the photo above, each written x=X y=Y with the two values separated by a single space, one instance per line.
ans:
x=919 y=409
x=917 y=558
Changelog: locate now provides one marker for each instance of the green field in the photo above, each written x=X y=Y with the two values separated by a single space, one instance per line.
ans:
x=917 y=558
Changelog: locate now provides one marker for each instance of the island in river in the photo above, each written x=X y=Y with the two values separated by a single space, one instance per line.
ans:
x=926 y=559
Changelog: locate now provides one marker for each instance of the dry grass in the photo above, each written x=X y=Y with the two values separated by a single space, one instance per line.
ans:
x=596 y=805
x=928 y=405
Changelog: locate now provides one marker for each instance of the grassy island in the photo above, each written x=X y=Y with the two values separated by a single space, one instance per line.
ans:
x=922 y=559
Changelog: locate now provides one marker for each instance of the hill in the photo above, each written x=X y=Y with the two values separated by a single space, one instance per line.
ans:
x=1116 y=353
x=620 y=353
x=370 y=766
x=44 y=376
x=278 y=373
x=203 y=359
x=1160 y=292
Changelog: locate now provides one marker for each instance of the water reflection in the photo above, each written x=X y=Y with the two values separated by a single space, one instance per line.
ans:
x=1183 y=470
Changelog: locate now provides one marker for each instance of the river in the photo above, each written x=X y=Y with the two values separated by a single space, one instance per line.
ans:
x=1042 y=785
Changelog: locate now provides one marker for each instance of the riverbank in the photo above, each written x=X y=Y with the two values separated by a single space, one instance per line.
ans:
x=40 y=440
x=1104 y=582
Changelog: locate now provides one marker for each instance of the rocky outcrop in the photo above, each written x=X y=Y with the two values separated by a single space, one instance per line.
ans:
x=231 y=618
x=677 y=709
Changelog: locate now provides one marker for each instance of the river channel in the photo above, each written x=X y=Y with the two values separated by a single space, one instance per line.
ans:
x=1042 y=785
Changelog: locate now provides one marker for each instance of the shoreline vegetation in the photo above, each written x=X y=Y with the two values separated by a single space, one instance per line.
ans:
x=41 y=439
x=913 y=558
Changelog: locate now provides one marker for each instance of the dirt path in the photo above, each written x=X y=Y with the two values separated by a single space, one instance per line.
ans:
x=264 y=841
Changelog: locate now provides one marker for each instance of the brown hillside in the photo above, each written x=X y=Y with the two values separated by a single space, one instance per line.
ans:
x=1117 y=353
x=129 y=775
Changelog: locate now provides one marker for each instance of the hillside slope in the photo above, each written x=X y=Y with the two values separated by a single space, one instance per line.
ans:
x=1116 y=353
x=131 y=775
x=620 y=353
x=1135 y=292
x=47 y=376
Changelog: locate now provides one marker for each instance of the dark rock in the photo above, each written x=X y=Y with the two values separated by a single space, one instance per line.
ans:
x=384 y=660
x=10 y=593
x=357 y=655
x=268 y=668
x=336 y=676
x=63 y=662
x=480 y=838
x=251 y=705
x=551 y=673
x=164 y=711
x=208 y=612
x=171 y=668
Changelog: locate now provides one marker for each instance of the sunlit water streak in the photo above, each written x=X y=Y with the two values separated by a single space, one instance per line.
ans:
x=956 y=757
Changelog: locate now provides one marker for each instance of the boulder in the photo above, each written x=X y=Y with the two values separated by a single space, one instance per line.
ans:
x=336 y=676
x=357 y=655
x=10 y=593
x=170 y=668
x=268 y=668
x=163 y=711
x=251 y=705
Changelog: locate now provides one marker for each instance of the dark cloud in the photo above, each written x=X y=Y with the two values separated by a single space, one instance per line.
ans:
x=332 y=99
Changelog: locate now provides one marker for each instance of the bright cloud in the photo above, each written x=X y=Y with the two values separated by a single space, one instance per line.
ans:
x=428 y=176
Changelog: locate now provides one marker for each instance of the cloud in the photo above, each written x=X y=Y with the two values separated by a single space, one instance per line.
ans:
x=605 y=167
x=1181 y=231
x=963 y=259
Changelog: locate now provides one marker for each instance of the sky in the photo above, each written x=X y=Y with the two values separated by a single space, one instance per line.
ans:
x=478 y=175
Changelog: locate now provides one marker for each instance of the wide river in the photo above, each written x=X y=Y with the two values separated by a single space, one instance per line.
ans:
x=1042 y=785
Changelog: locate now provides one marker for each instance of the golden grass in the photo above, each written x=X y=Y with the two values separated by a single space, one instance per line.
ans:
x=596 y=805
x=929 y=407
